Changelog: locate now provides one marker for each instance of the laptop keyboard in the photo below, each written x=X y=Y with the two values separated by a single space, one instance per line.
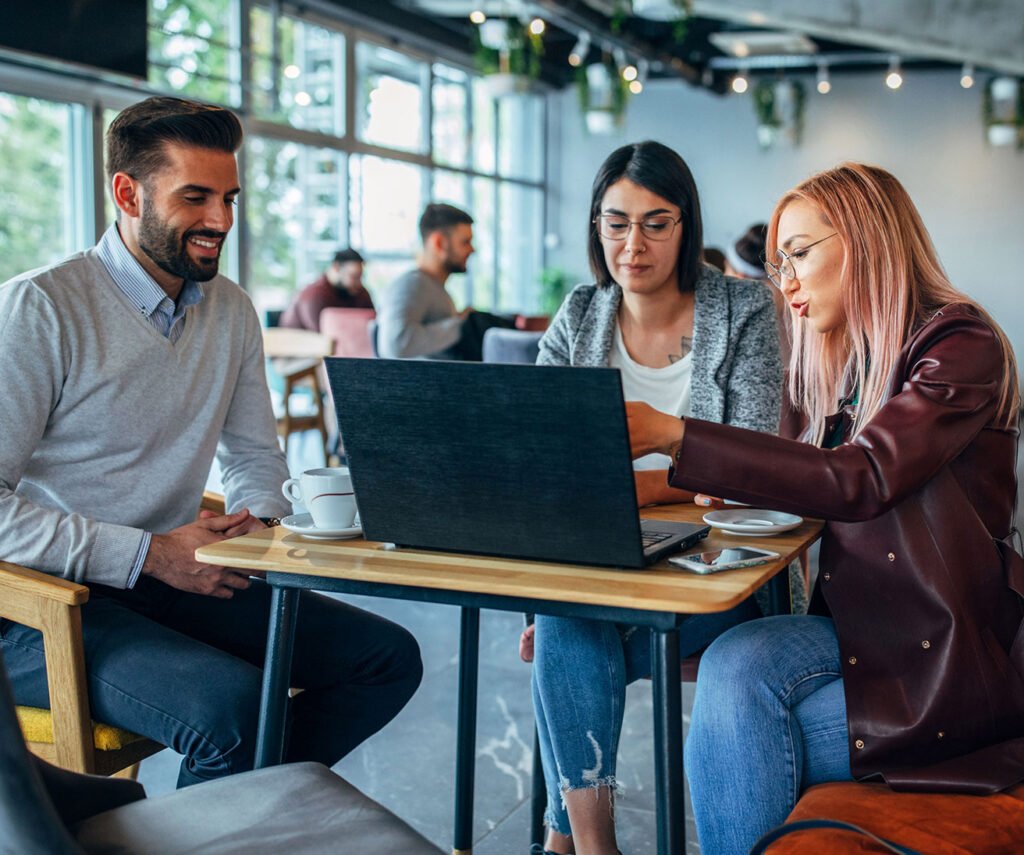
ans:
x=652 y=537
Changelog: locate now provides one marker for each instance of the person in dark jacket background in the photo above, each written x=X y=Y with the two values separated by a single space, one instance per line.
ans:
x=910 y=665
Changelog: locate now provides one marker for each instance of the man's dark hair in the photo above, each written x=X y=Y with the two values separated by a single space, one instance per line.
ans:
x=750 y=247
x=438 y=217
x=136 y=138
x=659 y=169
x=345 y=255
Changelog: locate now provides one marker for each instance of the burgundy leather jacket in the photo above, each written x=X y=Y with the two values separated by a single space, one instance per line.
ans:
x=916 y=566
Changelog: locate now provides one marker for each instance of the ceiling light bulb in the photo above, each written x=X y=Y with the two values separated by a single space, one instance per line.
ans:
x=292 y=71
x=741 y=49
x=537 y=26
x=636 y=87
x=894 y=80
x=580 y=50
x=739 y=84
x=303 y=99
x=477 y=17
x=824 y=84
x=967 y=76
x=629 y=73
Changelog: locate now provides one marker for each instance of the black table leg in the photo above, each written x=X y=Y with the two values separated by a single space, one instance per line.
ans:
x=779 y=595
x=465 y=757
x=668 y=742
x=538 y=794
x=277 y=667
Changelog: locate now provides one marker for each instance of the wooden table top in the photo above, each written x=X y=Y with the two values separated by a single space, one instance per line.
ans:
x=660 y=587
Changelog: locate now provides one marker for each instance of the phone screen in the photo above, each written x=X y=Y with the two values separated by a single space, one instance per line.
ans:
x=726 y=556
x=723 y=559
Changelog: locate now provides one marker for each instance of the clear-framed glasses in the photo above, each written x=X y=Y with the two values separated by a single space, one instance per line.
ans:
x=784 y=269
x=655 y=227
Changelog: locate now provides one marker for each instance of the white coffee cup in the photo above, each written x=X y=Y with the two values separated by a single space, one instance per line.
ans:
x=327 y=495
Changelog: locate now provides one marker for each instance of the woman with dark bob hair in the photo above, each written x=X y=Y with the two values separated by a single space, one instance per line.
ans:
x=687 y=340
x=910 y=666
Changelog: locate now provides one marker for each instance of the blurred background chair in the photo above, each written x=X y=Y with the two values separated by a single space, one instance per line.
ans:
x=350 y=330
x=295 y=360
x=299 y=808
x=505 y=345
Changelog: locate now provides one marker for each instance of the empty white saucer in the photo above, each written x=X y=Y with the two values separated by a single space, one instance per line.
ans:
x=303 y=524
x=752 y=521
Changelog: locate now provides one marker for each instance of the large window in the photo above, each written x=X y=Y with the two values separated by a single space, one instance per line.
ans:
x=40 y=206
x=347 y=138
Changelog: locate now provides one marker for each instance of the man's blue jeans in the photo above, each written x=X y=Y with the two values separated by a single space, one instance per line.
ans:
x=580 y=672
x=185 y=670
x=769 y=720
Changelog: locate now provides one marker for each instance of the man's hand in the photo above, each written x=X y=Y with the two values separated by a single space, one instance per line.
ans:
x=651 y=431
x=171 y=557
x=465 y=313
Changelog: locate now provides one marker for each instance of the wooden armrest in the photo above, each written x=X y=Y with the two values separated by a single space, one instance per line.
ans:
x=212 y=502
x=51 y=605
x=21 y=586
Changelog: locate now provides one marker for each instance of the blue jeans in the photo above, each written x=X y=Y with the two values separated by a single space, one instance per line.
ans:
x=186 y=669
x=769 y=720
x=580 y=672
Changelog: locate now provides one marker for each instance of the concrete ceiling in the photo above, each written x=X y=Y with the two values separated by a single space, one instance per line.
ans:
x=988 y=33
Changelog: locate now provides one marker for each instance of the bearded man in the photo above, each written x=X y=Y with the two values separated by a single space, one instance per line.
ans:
x=125 y=370
x=418 y=317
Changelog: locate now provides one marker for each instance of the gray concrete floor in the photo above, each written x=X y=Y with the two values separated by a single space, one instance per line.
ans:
x=409 y=766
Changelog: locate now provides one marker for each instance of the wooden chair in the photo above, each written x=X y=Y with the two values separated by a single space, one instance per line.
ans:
x=297 y=356
x=65 y=735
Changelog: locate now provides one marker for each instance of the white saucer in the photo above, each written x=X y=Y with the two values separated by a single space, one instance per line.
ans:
x=303 y=524
x=752 y=521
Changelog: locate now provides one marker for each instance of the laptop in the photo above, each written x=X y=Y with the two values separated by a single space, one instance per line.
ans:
x=522 y=461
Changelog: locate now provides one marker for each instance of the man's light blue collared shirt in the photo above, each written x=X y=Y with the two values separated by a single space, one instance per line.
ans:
x=150 y=300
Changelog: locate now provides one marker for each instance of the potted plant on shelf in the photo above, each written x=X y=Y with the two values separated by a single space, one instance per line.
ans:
x=508 y=55
x=780 y=111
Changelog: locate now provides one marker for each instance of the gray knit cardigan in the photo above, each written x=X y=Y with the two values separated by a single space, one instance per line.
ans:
x=737 y=372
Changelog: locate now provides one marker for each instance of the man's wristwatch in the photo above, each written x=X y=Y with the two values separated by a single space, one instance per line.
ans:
x=270 y=522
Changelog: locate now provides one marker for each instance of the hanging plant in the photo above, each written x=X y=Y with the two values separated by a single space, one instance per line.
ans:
x=508 y=54
x=1002 y=111
x=779 y=106
x=603 y=95
x=676 y=12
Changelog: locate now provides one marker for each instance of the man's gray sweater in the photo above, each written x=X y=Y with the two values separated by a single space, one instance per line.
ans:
x=107 y=429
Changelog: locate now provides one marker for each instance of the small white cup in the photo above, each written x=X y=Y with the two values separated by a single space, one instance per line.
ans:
x=327 y=495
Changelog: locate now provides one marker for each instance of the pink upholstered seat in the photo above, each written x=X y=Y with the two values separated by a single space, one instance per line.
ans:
x=350 y=330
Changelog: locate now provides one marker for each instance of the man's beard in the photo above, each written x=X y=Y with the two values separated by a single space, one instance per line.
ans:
x=167 y=249
x=453 y=266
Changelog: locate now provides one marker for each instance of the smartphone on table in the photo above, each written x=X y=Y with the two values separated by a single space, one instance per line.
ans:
x=723 y=559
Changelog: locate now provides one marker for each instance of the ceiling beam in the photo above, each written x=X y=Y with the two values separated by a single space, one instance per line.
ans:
x=987 y=33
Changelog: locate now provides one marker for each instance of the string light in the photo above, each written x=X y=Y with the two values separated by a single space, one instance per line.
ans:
x=292 y=71
x=636 y=87
x=967 y=76
x=537 y=26
x=477 y=16
x=824 y=84
x=739 y=84
x=629 y=73
x=894 y=80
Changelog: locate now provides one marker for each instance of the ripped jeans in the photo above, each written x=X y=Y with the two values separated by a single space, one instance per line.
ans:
x=580 y=672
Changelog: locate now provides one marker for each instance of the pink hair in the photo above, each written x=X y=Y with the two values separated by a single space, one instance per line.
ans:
x=891 y=281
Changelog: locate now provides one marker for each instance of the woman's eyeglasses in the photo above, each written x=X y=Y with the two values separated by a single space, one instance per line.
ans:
x=784 y=269
x=614 y=227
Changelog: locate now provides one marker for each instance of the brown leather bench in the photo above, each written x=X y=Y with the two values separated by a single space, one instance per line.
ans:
x=934 y=824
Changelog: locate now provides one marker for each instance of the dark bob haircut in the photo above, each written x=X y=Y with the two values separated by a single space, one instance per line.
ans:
x=657 y=168
x=136 y=138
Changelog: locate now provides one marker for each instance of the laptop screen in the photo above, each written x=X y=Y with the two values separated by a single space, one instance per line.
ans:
x=522 y=461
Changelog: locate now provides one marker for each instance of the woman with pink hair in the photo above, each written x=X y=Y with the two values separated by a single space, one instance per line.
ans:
x=910 y=664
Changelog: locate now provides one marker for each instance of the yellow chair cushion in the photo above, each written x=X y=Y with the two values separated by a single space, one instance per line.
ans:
x=37 y=726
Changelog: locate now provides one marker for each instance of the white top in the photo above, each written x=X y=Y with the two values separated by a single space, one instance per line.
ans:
x=666 y=389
